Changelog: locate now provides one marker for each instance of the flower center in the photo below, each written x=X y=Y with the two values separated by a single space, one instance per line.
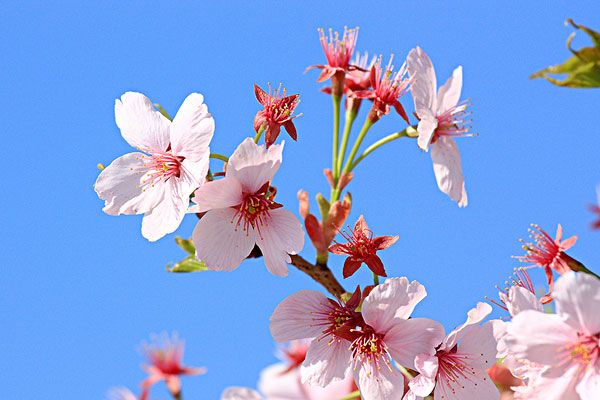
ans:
x=544 y=251
x=162 y=166
x=255 y=207
x=370 y=348
x=454 y=122
x=585 y=351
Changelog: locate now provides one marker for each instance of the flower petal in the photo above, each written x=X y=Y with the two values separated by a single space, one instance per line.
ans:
x=253 y=165
x=577 y=298
x=278 y=382
x=192 y=128
x=167 y=215
x=141 y=124
x=220 y=242
x=448 y=170
x=480 y=344
x=278 y=237
x=327 y=360
x=408 y=338
x=474 y=316
x=521 y=299
x=223 y=193
x=424 y=82
x=427 y=366
x=394 y=299
x=303 y=315
x=475 y=386
x=240 y=393
x=449 y=93
x=379 y=382
x=589 y=384
x=119 y=185
x=426 y=128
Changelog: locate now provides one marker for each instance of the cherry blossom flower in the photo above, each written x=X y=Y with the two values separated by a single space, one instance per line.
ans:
x=363 y=342
x=277 y=112
x=338 y=53
x=362 y=247
x=158 y=183
x=165 y=363
x=241 y=212
x=565 y=344
x=387 y=88
x=520 y=295
x=441 y=118
x=282 y=381
x=458 y=370
x=596 y=210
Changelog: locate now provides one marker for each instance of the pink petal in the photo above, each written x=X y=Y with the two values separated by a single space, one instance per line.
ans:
x=167 y=215
x=196 y=170
x=240 y=393
x=474 y=316
x=424 y=82
x=262 y=96
x=276 y=382
x=351 y=265
x=448 y=170
x=192 y=128
x=385 y=382
x=577 y=298
x=335 y=390
x=220 y=242
x=476 y=386
x=521 y=299
x=426 y=128
x=253 y=165
x=479 y=342
x=119 y=185
x=427 y=366
x=141 y=124
x=449 y=93
x=226 y=192
x=408 y=338
x=561 y=387
x=278 y=237
x=327 y=360
x=394 y=299
x=300 y=316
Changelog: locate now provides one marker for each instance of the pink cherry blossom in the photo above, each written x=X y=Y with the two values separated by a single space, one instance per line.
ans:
x=282 y=381
x=458 y=369
x=277 y=112
x=441 y=118
x=364 y=342
x=158 y=182
x=241 y=212
x=565 y=344
x=165 y=363
x=520 y=295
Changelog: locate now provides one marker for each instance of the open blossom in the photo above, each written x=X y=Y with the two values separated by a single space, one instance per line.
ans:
x=441 y=118
x=158 y=182
x=596 y=210
x=241 y=211
x=565 y=344
x=458 y=369
x=282 y=381
x=365 y=342
x=362 y=247
x=277 y=112
x=387 y=88
x=165 y=363
x=520 y=295
x=338 y=52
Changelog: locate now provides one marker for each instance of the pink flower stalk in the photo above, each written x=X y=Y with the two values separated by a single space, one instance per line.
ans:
x=596 y=210
x=282 y=381
x=441 y=119
x=165 y=363
x=338 y=53
x=549 y=253
x=362 y=342
x=362 y=247
x=458 y=369
x=565 y=344
x=241 y=212
x=158 y=183
x=277 y=112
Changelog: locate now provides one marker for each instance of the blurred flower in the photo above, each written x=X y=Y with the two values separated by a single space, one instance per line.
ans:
x=362 y=247
x=121 y=394
x=364 y=343
x=159 y=183
x=596 y=210
x=387 y=88
x=165 y=363
x=241 y=212
x=277 y=112
x=441 y=119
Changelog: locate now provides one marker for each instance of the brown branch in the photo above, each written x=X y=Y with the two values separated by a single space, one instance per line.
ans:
x=321 y=274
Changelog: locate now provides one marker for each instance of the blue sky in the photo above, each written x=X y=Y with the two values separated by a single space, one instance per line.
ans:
x=80 y=290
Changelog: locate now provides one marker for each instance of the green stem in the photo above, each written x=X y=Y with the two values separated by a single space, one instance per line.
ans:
x=408 y=132
x=350 y=117
x=375 y=279
x=351 y=396
x=178 y=396
x=259 y=133
x=361 y=136
x=163 y=111
x=337 y=101
x=219 y=157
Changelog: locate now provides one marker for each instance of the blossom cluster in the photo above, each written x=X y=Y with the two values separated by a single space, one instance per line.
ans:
x=367 y=342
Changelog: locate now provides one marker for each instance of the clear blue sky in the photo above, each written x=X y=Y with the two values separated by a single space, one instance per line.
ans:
x=79 y=289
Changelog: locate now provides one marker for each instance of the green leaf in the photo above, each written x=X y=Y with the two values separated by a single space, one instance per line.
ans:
x=188 y=264
x=186 y=244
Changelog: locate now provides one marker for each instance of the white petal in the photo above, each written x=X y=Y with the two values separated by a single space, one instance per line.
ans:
x=521 y=299
x=562 y=387
x=476 y=386
x=449 y=93
x=192 y=128
x=409 y=338
x=385 y=382
x=278 y=237
x=119 y=185
x=589 y=385
x=167 y=215
x=141 y=124
x=197 y=170
x=253 y=165
x=226 y=192
x=424 y=84
x=474 y=316
x=276 y=382
x=302 y=315
x=577 y=298
x=219 y=242
x=426 y=128
x=394 y=299
x=448 y=170
x=335 y=390
x=240 y=393
x=427 y=366
x=327 y=360
x=479 y=343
